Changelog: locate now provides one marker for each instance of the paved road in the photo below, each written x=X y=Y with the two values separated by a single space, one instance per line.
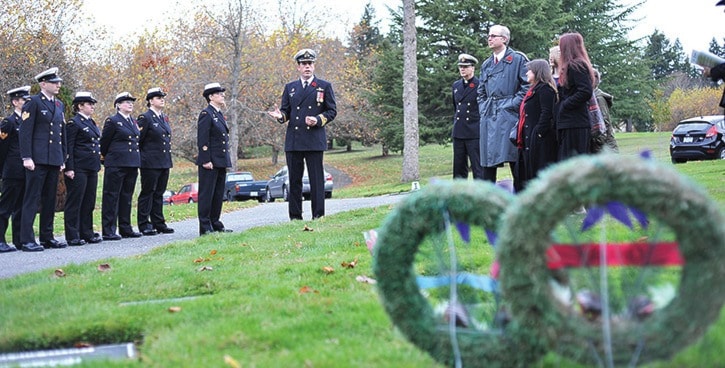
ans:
x=17 y=263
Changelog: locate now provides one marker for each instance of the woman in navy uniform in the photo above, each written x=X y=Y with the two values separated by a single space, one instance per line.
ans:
x=43 y=151
x=212 y=140
x=466 y=131
x=81 y=171
x=155 y=146
x=308 y=104
x=121 y=159
x=13 y=172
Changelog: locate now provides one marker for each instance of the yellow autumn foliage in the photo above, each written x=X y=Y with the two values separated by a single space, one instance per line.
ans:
x=684 y=104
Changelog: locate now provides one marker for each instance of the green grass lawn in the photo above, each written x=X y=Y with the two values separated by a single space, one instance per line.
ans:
x=261 y=297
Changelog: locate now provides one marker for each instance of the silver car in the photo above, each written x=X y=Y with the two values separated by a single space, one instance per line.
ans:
x=278 y=185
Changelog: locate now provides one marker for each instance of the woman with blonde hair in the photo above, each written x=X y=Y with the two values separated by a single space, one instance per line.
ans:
x=536 y=138
x=576 y=79
x=554 y=55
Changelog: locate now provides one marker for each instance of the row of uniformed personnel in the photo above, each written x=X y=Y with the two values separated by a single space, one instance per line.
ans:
x=36 y=144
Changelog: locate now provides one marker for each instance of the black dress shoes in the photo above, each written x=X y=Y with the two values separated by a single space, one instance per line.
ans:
x=132 y=234
x=76 y=242
x=95 y=239
x=165 y=230
x=52 y=243
x=6 y=248
x=31 y=247
x=149 y=232
x=112 y=237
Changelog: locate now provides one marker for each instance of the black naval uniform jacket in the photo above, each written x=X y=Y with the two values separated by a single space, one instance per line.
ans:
x=213 y=138
x=154 y=141
x=13 y=163
x=84 y=145
x=317 y=100
x=119 y=142
x=42 y=131
x=466 y=119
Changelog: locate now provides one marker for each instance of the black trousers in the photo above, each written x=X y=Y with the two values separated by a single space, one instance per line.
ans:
x=489 y=174
x=150 y=211
x=11 y=205
x=296 y=161
x=465 y=150
x=41 y=185
x=118 y=186
x=211 y=197
x=79 y=204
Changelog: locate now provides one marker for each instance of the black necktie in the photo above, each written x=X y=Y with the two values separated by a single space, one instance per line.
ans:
x=304 y=85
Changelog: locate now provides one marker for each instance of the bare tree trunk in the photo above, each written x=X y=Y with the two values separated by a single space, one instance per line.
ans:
x=410 y=94
x=275 y=155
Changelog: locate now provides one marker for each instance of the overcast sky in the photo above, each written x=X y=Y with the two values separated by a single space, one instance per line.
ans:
x=694 y=22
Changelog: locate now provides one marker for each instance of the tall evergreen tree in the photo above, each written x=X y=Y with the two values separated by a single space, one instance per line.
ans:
x=365 y=35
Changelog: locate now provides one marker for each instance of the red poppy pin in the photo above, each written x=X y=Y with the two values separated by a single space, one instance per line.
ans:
x=57 y=103
x=509 y=59
x=471 y=85
x=313 y=84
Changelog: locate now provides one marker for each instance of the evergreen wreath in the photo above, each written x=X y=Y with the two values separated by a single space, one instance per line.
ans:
x=657 y=191
x=419 y=216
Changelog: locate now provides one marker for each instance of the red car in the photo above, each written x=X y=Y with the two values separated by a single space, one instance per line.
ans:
x=189 y=193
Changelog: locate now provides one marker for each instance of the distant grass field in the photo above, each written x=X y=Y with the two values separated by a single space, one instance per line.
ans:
x=261 y=298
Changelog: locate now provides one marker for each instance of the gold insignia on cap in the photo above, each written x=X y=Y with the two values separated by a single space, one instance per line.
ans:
x=25 y=115
x=462 y=59
x=204 y=148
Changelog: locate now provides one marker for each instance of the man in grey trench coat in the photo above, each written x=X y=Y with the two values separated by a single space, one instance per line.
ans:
x=502 y=87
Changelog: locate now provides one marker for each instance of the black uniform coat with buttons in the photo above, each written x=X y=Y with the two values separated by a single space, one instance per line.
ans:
x=317 y=100
x=84 y=146
x=155 y=141
x=538 y=138
x=119 y=142
x=213 y=138
x=13 y=163
x=13 y=174
x=42 y=131
x=466 y=119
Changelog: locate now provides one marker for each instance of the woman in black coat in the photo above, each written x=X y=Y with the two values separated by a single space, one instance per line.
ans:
x=576 y=77
x=536 y=138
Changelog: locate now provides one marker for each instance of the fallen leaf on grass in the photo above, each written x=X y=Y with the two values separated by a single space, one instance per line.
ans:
x=365 y=280
x=200 y=259
x=307 y=289
x=350 y=264
x=231 y=362
x=174 y=309
x=213 y=252
x=206 y=268
x=82 y=344
x=307 y=228
x=103 y=267
x=59 y=273
x=328 y=270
